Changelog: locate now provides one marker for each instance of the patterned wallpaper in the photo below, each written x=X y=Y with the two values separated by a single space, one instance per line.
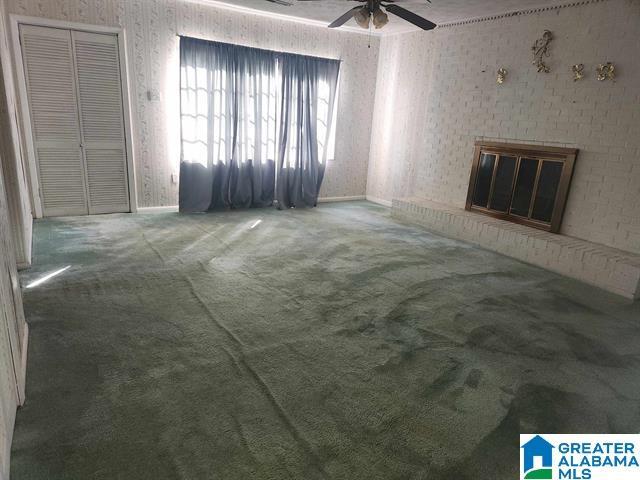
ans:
x=13 y=325
x=152 y=26
x=437 y=94
x=16 y=183
x=401 y=98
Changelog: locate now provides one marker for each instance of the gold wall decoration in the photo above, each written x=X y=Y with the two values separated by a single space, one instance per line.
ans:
x=540 y=50
x=578 y=71
x=502 y=75
x=606 y=71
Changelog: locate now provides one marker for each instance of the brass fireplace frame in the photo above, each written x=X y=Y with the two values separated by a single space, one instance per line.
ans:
x=567 y=156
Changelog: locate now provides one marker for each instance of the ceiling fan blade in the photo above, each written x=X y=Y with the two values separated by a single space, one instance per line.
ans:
x=344 y=18
x=410 y=17
x=281 y=2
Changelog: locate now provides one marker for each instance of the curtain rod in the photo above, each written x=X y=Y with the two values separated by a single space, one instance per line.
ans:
x=276 y=52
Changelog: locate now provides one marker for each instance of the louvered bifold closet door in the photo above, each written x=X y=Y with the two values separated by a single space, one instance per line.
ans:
x=49 y=71
x=101 y=120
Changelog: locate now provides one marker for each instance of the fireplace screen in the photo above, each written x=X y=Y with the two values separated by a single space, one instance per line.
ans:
x=522 y=183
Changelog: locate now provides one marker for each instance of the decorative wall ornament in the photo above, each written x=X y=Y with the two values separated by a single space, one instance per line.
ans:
x=540 y=50
x=578 y=71
x=606 y=71
x=502 y=75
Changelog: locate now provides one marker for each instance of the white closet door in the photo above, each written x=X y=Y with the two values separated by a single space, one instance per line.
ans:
x=49 y=71
x=12 y=320
x=101 y=120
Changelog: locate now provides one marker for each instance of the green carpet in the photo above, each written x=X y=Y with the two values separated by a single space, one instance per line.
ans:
x=332 y=343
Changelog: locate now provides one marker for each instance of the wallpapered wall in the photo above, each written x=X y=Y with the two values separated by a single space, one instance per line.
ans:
x=15 y=178
x=152 y=27
x=437 y=94
x=12 y=321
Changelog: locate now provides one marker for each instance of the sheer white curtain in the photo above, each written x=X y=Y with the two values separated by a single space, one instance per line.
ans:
x=241 y=114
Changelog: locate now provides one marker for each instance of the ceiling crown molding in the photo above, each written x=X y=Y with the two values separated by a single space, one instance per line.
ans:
x=517 y=13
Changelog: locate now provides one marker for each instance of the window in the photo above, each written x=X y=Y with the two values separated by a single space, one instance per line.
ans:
x=209 y=101
x=525 y=184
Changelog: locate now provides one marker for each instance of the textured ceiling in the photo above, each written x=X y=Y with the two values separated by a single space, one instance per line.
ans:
x=439 y=11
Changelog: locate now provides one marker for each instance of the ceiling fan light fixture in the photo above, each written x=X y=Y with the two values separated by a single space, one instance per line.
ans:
x=362 y=17
x=380 y=19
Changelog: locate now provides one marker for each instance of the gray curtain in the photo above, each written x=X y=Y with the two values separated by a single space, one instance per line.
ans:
x=308 y=92
x=228 y=119
x=244 y=109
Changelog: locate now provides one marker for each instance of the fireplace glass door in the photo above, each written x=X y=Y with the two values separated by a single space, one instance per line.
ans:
x=522 y=183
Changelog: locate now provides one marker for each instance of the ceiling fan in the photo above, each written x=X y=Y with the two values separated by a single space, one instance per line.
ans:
x=372 y=13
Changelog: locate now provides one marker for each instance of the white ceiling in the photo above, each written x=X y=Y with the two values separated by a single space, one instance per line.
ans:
x=439 y=11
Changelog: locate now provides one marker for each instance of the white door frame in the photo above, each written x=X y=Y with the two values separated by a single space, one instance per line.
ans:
x=25 y=114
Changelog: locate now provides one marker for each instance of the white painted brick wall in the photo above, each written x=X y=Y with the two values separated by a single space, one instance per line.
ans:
x=436 y=94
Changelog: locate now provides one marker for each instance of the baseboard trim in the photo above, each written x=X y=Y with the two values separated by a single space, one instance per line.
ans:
x=25 y=348
x=170 y=208
x=341 y=199
x=379 y=201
